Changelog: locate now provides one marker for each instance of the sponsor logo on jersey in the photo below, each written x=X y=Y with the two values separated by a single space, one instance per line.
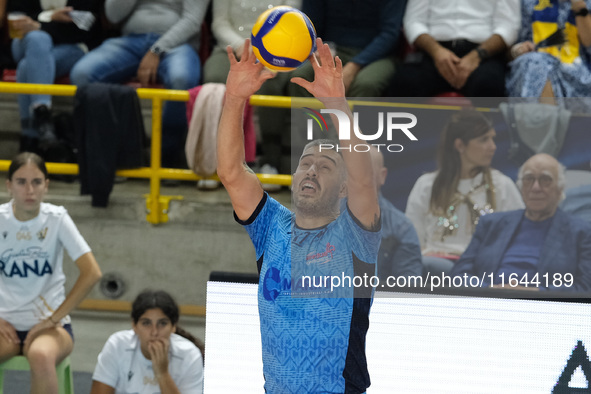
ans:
x=42 y=234
x=321 y=257
x=31 y=261
x=23 y=269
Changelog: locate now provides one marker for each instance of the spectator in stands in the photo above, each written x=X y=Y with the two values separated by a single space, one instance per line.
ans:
x=232 y=23
x=49 y=43
x=34 y=308
x=400 y=250
x=364 y=34
x=561 y=69
x=461 y=47
x=540 y=240
x=155 y=356
x=446 y=205
x=159 y=44
x=6 y=60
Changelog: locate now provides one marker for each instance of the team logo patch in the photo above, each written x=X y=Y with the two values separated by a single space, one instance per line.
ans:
x=4 y=234
x=23 y=235
x=42 y=234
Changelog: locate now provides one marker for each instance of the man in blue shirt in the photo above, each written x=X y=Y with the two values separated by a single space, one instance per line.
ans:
x=400 y=250
x=538 y=248
x=312 y=328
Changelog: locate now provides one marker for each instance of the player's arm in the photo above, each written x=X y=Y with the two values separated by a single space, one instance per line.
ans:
x=244 y=79
x=90 y=274
x=328 y=87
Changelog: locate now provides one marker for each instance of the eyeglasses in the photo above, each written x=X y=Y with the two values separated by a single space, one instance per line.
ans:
x=543 y=180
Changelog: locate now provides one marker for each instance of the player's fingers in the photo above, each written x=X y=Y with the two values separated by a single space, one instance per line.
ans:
x=231 y=56
x=247 y=53
x=323 y=51
x=301 y=82
x=267 y=74
x=338 y=64
x=314 y=61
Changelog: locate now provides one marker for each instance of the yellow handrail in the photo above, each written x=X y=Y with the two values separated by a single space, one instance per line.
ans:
x=156 y=204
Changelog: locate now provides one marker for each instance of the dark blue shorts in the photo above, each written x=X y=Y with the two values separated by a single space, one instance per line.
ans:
x=23 y=334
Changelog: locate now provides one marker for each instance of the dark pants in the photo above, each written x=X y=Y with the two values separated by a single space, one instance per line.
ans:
x=418 y=76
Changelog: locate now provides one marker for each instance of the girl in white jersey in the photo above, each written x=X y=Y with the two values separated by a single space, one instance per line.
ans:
x=34 y=309
x=157 y=356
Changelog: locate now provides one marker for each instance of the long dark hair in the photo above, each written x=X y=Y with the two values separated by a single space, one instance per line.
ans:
x=152 y=299
x=466 y=125
x=22 y=159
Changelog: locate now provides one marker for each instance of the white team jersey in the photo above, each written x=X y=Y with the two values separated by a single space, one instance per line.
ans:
x=31 y=257
x=122 y=365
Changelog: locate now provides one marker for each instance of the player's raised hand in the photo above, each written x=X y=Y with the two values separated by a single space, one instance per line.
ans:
x=328 y=74
x=246 y=75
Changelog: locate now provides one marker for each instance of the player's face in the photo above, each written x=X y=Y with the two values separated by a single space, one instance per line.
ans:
x=27 y=187
x=318 y=182
x=153 y=326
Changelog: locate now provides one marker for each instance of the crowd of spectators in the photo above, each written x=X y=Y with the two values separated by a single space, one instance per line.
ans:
x=527 y=48
x=521 y=48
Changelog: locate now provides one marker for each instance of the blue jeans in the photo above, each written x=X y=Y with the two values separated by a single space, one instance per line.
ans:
x=116 y=61
x=39 y=61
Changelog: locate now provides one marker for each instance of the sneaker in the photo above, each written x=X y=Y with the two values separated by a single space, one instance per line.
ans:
x=270 y=187
x=42 y=121
x=207 y=184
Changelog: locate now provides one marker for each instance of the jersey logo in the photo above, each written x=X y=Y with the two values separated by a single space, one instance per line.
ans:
x=321 y=257
x=24 y=270
x=41 y=234
x=23 y=235
x=4 y=234
x=271 y=284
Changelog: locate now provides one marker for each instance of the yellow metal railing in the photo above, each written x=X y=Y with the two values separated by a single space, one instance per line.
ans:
x=157 y=205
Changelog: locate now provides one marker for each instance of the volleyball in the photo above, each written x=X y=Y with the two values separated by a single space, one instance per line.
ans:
x=283 y=38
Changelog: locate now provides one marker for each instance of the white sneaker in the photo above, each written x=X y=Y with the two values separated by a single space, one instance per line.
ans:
x=270 y=187
x=207 y=184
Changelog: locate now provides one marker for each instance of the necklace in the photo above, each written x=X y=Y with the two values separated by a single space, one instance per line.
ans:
x=448 y=224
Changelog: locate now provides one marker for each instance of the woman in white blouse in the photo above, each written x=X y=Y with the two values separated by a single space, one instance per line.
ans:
x=445 y=205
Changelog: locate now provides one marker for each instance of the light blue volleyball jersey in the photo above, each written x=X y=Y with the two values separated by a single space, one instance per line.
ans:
x=313 y=339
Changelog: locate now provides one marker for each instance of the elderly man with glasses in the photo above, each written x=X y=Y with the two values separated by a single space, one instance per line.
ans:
x=539 y=248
